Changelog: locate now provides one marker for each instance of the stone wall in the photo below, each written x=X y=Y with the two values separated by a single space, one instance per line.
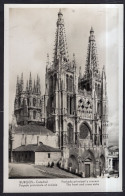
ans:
x=22 y=139
x=43 y=158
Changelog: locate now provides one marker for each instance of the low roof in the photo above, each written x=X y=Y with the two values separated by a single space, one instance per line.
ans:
x=36 y=148
x=32 y=130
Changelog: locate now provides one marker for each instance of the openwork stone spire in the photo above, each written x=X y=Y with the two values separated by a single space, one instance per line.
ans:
x=91 y=60
x=60 y=49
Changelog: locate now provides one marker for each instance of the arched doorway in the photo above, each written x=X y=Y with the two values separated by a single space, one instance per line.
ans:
x=87 y=165
x=70 y=133
x=73 y=163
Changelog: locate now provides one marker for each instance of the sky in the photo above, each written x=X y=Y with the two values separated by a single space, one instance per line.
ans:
x=32 y=36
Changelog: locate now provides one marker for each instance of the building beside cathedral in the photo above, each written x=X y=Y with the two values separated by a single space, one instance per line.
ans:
x=71 y=117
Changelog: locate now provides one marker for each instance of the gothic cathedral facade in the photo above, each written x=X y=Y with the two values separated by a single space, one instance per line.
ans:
x=74 y=106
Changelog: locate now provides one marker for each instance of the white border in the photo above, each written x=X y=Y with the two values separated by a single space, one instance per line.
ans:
x=105 y=185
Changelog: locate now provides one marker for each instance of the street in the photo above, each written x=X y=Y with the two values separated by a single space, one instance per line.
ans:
x=25 y=170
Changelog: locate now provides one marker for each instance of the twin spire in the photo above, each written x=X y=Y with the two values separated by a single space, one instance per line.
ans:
x=30 y=88
x=60 y=48
x=91 y=59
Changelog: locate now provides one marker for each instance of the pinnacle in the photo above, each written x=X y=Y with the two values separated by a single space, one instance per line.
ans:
x=22 y=76
x=60 y=13
x=91 y=30
x=103 y=69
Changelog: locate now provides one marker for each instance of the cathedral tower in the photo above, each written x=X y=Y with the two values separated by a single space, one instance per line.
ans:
x=28 y=103
x=60 y=76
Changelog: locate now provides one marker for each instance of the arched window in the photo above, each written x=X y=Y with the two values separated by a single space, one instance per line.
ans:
x=70 y=105
x=70 y=133
x=96 y=128
x=70 y=84
x=34 y=102
x=51 y=84
x=34 y=114
x=84 y=131
x=100 y=135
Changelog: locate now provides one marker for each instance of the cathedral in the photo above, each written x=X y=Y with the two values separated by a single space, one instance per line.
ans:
x=72 y=114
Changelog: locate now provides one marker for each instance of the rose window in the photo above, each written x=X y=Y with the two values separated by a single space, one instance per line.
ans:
x=84 y=131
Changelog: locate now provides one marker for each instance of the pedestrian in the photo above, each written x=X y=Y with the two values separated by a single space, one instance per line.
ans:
x=48 y=164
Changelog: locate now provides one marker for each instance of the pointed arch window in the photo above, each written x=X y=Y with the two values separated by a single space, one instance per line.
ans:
x=70 y=133
x=70 y=83
x=34 y=102
x=34 y=114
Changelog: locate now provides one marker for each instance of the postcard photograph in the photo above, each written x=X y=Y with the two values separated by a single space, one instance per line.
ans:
x=63 y=101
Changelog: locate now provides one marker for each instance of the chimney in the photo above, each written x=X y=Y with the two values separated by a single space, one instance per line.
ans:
x=38 y=141
x=25 y=140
